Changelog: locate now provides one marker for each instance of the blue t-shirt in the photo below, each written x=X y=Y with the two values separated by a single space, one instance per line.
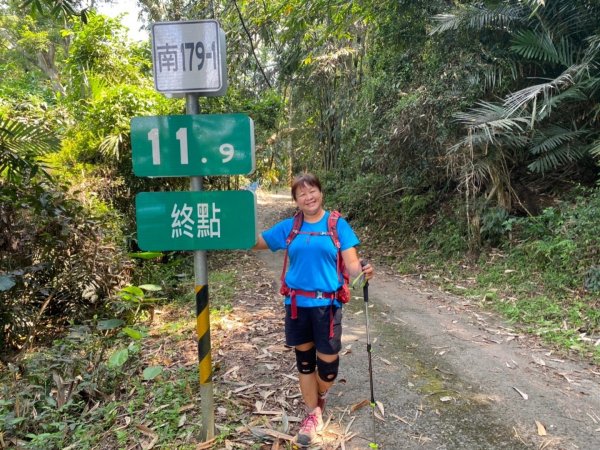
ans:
x=313 y=258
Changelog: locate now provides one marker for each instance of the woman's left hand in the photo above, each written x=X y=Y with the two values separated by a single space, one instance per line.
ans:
x=367 y=269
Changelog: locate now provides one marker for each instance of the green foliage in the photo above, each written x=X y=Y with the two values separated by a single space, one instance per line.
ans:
x=57 y=384
x=445 y=240
x=21 y=145
x=545 y=124
x=133 y=304
x=150 y=373
x=97 y=50
x=55 y=255
x=494 y=225
x=64 y=8
x=77 y=391
x=356 y=200
x=591 y=280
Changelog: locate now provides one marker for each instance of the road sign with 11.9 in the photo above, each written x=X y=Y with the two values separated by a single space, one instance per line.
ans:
x=192 y=145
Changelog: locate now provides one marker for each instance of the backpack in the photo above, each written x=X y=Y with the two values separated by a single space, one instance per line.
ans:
x=343 y=293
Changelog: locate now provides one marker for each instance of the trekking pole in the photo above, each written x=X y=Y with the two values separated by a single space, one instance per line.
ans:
x=373 y=444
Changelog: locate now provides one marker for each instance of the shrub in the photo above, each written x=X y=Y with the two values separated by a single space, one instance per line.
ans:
x=57 y=261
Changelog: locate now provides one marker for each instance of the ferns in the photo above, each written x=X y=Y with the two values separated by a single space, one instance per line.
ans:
x=595 y=148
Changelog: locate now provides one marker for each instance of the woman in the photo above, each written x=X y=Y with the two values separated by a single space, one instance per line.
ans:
x=313 y=318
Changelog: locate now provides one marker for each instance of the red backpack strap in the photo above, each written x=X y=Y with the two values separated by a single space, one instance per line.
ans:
x=343 y=293
x=298 y=220
x=285 y=290
x=332 y=228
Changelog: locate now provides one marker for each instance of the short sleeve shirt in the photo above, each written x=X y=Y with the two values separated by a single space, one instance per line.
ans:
x=313 y=258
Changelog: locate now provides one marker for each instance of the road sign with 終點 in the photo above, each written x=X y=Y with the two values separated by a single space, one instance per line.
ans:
x=197 y=220
x=192 y=145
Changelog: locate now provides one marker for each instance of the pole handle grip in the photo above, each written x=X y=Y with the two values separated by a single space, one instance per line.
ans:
x=363 y=263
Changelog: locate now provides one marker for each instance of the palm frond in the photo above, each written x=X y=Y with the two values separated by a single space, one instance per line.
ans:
x=110 y=146
x=595 y=148
x=520 y=99
x=478 y=18
x=15 y=135
x=483 y=138
x=557 y=157
x=492 y=77
x=568 y=18
x=446 y=22
x=554 y=136
x=491 y=116
x=574 y=94
x=592 y=51
x=495 y=76
x=20 y=147
x=594 y=43
x=539 y=46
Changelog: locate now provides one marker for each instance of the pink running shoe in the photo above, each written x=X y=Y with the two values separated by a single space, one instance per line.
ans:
x=311 y=425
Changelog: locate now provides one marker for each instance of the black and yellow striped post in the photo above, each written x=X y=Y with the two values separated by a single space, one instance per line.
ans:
x=204 y=353
x=203 y=332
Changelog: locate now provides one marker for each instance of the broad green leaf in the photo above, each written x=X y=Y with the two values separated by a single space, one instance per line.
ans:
x=118 y=358
x=134 y=290
x=132 y=294
x=150 y=287
x=150 y=373
x=110 y=324
x=133 y=333
x=6 y=283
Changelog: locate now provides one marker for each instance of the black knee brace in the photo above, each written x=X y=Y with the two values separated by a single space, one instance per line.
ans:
x=306 y=360
x=328 y=371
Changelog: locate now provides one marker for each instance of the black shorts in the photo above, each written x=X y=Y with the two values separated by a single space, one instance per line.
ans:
x=313 y=325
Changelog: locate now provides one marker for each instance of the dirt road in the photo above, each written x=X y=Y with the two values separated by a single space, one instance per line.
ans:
x=448 y=374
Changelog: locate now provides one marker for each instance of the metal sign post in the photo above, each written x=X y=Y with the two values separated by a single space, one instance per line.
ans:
x=189 y=60
x=207 y=402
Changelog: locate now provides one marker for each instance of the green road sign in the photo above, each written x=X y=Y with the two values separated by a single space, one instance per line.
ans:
x=196 y=220
x=192 y=145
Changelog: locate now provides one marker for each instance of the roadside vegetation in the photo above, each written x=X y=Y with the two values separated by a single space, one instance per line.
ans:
x=463 y=140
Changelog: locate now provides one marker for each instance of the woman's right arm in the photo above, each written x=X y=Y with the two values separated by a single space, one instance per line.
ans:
x=261 y=244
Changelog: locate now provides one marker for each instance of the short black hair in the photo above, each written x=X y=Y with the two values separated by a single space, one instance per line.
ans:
x=307 y=179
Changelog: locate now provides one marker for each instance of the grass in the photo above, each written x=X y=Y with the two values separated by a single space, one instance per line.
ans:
x=543 y=275
x=539 y=301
